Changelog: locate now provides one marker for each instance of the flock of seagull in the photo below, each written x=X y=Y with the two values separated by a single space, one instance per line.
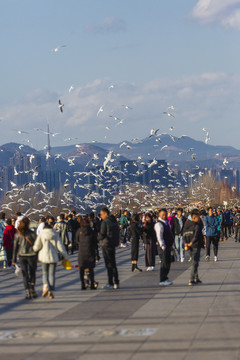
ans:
x=34 y=198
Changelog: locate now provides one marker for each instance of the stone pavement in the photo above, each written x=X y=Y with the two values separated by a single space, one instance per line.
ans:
x=138 y=321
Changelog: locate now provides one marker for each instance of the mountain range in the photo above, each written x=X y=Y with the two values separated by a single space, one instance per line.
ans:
x=177 y=151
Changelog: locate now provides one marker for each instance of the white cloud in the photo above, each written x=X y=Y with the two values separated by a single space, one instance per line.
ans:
x=225 y=12
x=108 y=25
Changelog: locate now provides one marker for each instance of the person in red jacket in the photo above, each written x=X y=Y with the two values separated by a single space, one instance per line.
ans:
x=8 y=240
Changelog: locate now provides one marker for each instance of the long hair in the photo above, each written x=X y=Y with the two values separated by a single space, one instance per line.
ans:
x=23 y=226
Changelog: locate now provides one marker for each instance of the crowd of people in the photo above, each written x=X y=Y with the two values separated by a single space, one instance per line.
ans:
x=166 y=234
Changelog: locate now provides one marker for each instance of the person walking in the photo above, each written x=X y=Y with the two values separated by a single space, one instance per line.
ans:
x=49 y=245
x=136 y=232
x=24 y=240
x=62 y=230
x=2 y=228
x=8 y=241
x=87 y=243
x=194 y=242
x=150 y=242
x=212 y=225
x=177 y=229
x=166 y=241
x=124 y=225
x=109 y=239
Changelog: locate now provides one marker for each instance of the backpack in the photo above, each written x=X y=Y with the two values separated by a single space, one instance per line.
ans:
x=113 y=234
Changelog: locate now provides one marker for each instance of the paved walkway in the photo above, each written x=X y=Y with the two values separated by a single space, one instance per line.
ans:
x=138 y=321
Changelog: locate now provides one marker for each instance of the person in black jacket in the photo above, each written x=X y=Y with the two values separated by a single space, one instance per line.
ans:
x=177 y=229
x=136 y=232
x=194 y=242
x=150 y=242
x=87 y=243
x=23 y=246
x=109 y=239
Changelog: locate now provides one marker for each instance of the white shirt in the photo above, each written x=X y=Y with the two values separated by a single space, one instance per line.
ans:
x=159 y=229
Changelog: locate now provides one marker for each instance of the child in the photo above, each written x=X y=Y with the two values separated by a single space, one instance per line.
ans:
x=194 y=241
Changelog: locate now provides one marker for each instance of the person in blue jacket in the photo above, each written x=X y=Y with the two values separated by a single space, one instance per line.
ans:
x=212 y=237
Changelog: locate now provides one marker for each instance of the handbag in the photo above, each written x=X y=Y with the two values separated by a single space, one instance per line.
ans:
x=66 y=264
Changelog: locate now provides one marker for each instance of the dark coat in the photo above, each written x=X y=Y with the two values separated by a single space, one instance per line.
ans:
x=149 y=234
x=136 y=231
x=86 y=247
x=176 y=226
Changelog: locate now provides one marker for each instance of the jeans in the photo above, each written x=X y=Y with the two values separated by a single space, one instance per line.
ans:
x=29 y=266
x=109 y=254
x=212 y=240
x=165 y=264
x=48 y=275
x=195 y=255
x=180 y=246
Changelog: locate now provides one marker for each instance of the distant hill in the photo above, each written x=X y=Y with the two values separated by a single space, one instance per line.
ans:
x=175 y=150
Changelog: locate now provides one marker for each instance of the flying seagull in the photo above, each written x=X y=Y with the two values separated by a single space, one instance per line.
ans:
x=60 y=105
x=100 y=110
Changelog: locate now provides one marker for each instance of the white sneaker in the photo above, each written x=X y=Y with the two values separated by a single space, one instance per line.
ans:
x=182 y=260
x=165 y=283
x=190 y=259
x=123 y=245
x=108 y=286
x=215 y=258
x=153 y=268
x=149 y=269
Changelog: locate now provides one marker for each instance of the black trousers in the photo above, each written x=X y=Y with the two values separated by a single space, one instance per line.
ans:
x=91 y=276
x=212 y=240
x=109 y=254
x=237 y=234
x=195 y=255
x=9 y=253
x=135 y=249
x=165 y=264
x=29 y=266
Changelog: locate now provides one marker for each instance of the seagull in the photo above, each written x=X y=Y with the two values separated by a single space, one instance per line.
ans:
x=181 y=137
x=172 y=137
x=204 y=129
x=194 y=156
x=21 y=146
x=56 y=49
x=168 y=114
x=171 y=128
x=123 y=144
x=154 y=162
x=127 y=107
x=71 y=88
x=111 y=87
x=153 y=133
x=164 y=147
x=20 y=131
x=107 y=128
x=225 y=162
x=100 y=110
x=207 y=138
x=108 y=159
x=171 y=107
x=60 y=105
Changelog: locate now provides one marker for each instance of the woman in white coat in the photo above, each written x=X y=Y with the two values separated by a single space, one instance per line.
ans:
x=48 y=245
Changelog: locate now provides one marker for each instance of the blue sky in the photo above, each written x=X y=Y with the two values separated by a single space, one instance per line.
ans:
x=157 y=53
